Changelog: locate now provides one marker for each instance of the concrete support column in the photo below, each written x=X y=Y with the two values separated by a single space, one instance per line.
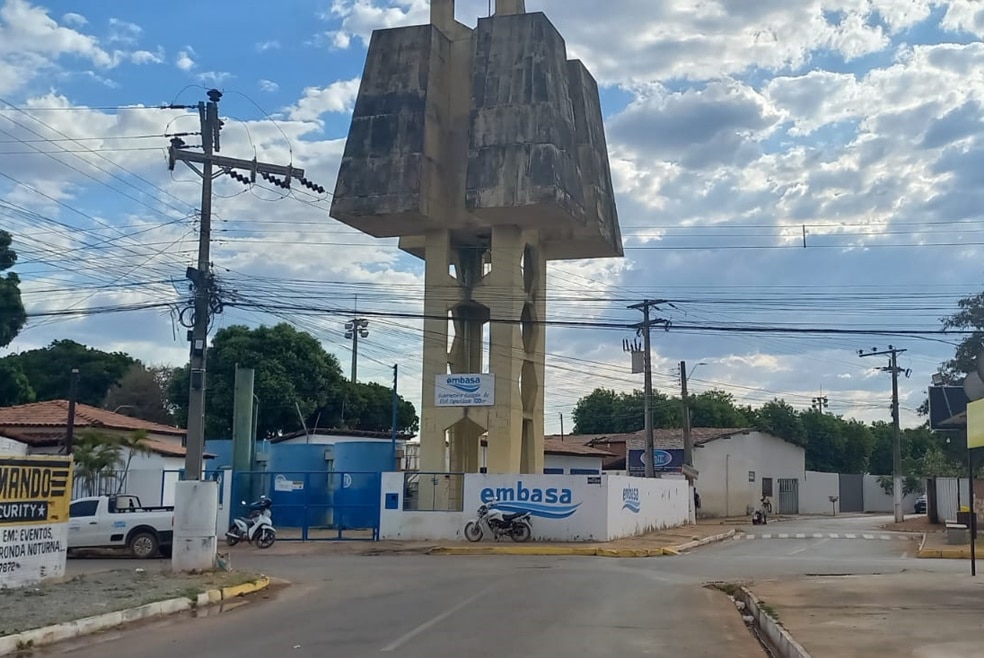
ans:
x=442 y=13
x=515 y=424
x=196 y=508
x=506 y=7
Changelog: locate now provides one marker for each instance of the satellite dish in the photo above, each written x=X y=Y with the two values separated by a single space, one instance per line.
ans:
x=973 y=386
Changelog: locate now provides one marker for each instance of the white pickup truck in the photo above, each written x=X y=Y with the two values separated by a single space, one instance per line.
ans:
x=120 y=521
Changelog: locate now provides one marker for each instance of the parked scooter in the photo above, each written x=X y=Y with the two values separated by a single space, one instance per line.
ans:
x=256 y=529
x=761 y=515
x=517 y=526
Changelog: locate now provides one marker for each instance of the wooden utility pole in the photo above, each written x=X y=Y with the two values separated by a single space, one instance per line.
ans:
x=645 y=328
x=893 y=367
x=688 y=442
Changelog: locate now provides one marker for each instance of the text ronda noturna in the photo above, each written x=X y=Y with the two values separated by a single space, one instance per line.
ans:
x=547 y=503
x=461 y=390
x=35 y=494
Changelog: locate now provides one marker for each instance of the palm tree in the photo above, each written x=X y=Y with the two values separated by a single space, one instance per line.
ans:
x=96 y=455
x=134 y=445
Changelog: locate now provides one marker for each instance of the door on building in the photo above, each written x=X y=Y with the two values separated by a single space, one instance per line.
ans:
x=788 y=496
x=851 y=492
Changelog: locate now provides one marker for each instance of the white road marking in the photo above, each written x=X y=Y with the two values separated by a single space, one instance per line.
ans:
x=889 y=537
x=403 y=639
x=834 y=536
x=817 y=535
x=784 y=536
x=868 y=536
x=851 y=536
x=767 y=536
x=800 y=535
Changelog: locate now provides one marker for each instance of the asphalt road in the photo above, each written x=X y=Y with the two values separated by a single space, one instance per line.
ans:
x=418 y=606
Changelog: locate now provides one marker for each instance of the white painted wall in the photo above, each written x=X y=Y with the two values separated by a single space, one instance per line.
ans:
x=567 y=462
x=414 y=526
x=27 y=558
x=11 y=447
x=724 y=466
x=660 y=504
x=815 y=490
x=876 y=500
x=564 y=507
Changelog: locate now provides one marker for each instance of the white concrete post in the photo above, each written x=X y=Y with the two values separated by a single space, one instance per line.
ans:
x=196 y=506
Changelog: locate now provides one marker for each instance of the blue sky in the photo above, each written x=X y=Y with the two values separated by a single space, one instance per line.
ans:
x=732 y=126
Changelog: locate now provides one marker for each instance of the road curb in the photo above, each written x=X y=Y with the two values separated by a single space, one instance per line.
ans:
x=39 y=637
x=680 y=548
x=962 y=553
x=778 y=637
x=583 y=551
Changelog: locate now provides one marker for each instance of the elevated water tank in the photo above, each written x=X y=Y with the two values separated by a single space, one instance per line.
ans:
x=356 y=481
x=298 y=485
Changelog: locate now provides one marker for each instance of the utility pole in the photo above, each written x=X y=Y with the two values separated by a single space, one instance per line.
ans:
x=688 y=443
x=73 y=394
x=893 y=367
x=820 y=403
x=357 y=328
x=396 y=408
x=561 y=427
x=645 y=328
x=206 y=301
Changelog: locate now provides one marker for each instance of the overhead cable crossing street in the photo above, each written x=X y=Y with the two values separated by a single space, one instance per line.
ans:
x=209 y=166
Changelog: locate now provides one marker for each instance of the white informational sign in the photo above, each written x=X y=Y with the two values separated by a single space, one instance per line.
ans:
x=464 y=391
x=34 y=509
x=281 y=483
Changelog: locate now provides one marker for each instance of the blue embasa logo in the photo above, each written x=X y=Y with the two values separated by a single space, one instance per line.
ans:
x=550 y=503
x=662 y=458
x=630 y=499
x=465 y=384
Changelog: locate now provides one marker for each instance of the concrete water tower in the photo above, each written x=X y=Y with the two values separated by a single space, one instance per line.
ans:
x=484 y=151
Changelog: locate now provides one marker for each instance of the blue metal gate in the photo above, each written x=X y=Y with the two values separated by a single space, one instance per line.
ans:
x=314 y=505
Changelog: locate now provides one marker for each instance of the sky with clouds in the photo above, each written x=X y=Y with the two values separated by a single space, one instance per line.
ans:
x=782 y=163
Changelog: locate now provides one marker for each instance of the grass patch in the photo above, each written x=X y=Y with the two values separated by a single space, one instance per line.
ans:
x=731 y=589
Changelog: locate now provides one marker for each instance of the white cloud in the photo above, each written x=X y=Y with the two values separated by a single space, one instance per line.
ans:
x=147 y=57
x=214 y=77
x=121 y=31
x=184 y=61
x=75 y=20
x=268 y=86
x=339 y=96
x=264 y=46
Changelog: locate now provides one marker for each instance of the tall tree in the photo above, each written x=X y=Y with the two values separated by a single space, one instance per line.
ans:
x=780 y=419
x=12 y=313
x=716 y=409
x=48 y=370
x=141 y=393
x=14 y=385
x=293 y=372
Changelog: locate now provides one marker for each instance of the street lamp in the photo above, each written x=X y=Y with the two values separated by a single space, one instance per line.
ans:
x=354 y=330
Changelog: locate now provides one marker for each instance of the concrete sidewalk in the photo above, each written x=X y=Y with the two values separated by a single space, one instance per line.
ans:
x=907 y=614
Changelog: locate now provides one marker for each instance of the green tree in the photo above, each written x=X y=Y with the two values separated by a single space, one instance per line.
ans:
x=595 y=412
x=133 y=444
x=366 y=406
x=96 y=456
x=48 y=370
x=141 y=393
x=293 y=371
x=780 y=419
x=716 y=409
x=14 y=385
x=13 y=317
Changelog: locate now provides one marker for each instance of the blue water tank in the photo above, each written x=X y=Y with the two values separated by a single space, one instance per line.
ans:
x=356 y=481
x=222 y=449
x=298 y=485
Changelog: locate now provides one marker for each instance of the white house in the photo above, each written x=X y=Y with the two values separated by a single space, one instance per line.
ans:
x=736 y=467
x=572 y=458
x=42 y=426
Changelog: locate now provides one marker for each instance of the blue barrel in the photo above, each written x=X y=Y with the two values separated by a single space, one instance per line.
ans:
x=298 y=476
x=358 y=465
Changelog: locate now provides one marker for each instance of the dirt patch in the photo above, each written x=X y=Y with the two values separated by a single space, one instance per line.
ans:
x=913 y=524
x=88 y=595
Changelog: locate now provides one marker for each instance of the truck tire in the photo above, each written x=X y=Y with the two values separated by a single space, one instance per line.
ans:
x=143 y=544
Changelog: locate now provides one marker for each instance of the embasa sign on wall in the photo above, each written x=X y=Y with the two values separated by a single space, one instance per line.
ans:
x=464 y=391
x=35 y=493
